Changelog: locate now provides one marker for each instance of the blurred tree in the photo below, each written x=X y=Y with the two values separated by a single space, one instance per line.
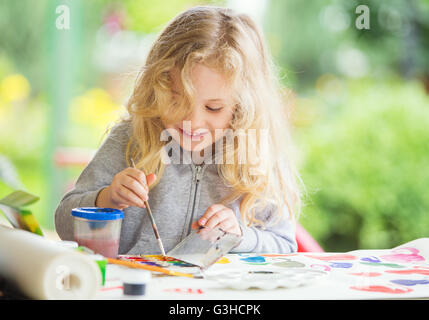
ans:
x=321 y=37
x=398 y=37
x=20 y=35
x=146 y=16
x=366 y=165
x=297 y=41
x=361 y=120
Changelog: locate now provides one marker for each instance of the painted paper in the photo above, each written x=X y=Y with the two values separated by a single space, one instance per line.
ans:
x=401 y=272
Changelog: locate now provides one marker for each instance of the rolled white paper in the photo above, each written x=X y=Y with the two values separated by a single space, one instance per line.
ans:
x=43 y=269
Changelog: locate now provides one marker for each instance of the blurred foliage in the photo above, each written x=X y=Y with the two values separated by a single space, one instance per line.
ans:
x=22 y=128
x=146 y=16
x=311 y=38
x=90 y=114
x=366 y=164
x=399 y=34
x=94 y=107
x=20 y=45
x=361 y=117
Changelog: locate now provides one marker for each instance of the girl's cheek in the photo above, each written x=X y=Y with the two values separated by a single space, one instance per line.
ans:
x=222 y=121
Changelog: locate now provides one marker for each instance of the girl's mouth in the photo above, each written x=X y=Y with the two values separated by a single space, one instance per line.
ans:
x=194 y=136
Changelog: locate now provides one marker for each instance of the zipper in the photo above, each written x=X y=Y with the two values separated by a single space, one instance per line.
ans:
x=199 y=170
x=197 y=178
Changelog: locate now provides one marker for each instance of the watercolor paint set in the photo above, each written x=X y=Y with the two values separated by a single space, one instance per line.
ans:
x=400 y=272
x=203 y=246
x=198 y=251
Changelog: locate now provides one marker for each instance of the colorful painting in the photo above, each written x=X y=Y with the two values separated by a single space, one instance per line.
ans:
x=362 y=274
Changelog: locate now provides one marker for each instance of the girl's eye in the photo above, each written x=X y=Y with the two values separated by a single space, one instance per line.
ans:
x=213 y=109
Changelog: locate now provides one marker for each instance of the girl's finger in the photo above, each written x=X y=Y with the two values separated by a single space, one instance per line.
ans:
x=135 y=187
x=121 y=202
x=217 y=218
x=130 y=197
x=137 y=175
x=150 y=178
x=209 y=213
x=141 y=177
x=226 y=225
x=235 y=229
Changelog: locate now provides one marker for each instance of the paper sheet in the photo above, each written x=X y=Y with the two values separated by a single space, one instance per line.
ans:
x=398 y=273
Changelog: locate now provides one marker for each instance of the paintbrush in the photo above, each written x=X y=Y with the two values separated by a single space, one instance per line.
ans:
x=152 y=220
x=147 y=267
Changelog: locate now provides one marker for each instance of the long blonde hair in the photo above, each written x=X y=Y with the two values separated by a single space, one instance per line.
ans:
x=234 y=45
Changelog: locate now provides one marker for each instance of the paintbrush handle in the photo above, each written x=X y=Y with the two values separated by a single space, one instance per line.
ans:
x=155 y=229
x=147 y=267
x=152 y=220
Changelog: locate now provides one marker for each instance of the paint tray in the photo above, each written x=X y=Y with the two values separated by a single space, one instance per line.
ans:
x=203 y=246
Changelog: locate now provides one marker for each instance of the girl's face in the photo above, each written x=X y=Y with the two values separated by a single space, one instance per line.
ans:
x=213 y=109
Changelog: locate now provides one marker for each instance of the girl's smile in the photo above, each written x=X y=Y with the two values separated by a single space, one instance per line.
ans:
x=195 y=135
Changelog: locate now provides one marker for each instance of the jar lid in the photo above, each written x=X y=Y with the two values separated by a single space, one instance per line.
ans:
x=135 y=276
x=96 y=213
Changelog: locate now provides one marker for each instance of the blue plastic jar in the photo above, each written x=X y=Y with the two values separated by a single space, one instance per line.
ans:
x=98 y=229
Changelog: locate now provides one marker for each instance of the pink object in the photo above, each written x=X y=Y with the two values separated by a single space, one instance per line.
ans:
x=320 y=266
x=68 y=156
x=383 y=289
x=416 y=270
x=105 y=247
x=366 y=274
x=405 y=255
x=333 y=257
x=306 y=242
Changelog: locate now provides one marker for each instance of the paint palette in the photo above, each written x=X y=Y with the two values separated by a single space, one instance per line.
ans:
x=265 y=279
x=156 y=260
x=204 y=246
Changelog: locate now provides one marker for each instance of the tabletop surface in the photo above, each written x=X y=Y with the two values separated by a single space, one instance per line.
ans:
x=398 y=273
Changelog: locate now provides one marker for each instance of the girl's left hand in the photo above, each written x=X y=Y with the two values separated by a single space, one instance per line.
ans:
x=219 y=216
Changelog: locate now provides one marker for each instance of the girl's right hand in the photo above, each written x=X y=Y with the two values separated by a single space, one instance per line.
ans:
x=128 y=188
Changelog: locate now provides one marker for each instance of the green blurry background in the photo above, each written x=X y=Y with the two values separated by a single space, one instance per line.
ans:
x=359 y=99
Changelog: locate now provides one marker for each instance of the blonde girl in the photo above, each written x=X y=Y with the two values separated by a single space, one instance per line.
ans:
x=207 y=121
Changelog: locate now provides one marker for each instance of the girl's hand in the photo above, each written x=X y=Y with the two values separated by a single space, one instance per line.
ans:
x=128 y=188
x=219 y=216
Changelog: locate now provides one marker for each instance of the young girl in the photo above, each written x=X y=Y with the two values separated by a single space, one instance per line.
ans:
x=207 y=124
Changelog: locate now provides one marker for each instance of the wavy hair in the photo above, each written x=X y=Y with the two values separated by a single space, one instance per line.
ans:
x=233 y=45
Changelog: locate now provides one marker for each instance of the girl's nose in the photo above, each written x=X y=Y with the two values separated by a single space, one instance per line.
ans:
x=196 y=118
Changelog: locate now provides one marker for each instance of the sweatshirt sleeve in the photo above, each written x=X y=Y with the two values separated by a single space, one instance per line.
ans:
x=98 y=174
x=278 y=236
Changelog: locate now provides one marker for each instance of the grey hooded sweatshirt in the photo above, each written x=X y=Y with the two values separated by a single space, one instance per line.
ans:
x=182 y=196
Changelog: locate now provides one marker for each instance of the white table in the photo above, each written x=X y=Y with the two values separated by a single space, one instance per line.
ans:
x=398 y=273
